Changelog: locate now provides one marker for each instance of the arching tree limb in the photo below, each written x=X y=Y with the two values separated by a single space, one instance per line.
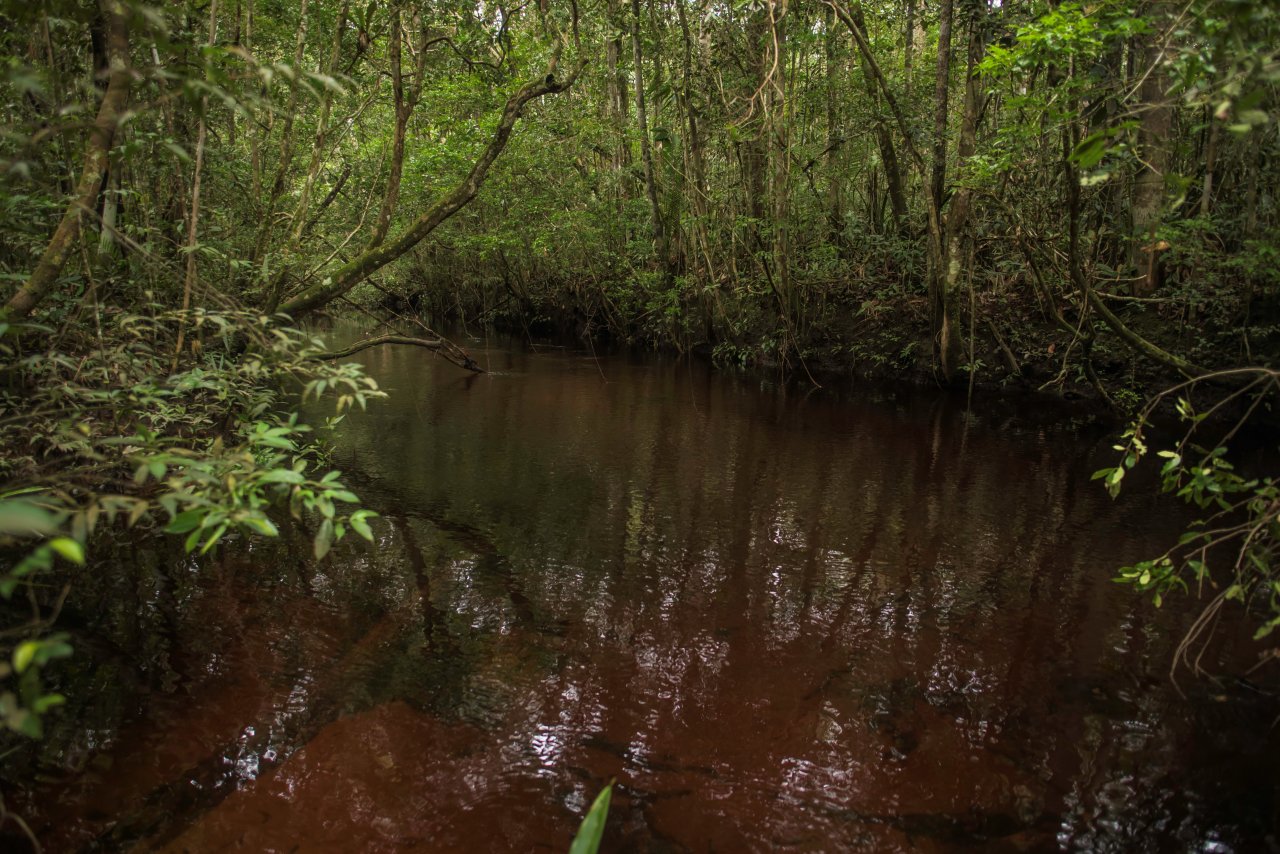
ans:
x=438 y=345
x=1140 y=344
x=872 y=68
x=374 y=258
x=85 y=200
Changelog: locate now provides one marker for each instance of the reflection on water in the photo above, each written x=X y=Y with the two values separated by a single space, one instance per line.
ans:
x=781 y=620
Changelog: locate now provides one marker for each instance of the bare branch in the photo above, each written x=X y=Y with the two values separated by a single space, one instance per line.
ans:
x=441 y=346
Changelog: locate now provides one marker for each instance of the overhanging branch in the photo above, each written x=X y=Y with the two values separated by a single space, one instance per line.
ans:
x=360 y=268
x=451 y=352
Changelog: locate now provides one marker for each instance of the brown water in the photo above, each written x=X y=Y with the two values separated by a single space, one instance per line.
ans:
x=781 y=619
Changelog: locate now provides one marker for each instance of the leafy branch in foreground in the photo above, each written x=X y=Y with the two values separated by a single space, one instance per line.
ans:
x=97 y=432
x=1234 y=550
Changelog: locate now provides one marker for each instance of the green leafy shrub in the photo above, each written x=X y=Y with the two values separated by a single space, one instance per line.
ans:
x=111 y=428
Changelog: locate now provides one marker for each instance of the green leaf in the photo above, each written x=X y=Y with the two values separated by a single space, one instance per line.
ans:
x=1091 y=149
x=591 y=830
x=55 y=646
x=361 y=527
x=23 y=518
x=26 y=490
x=281 y=476
x=47 y=702
x=1253 y=117
x=69 y=549
x=186 y=521
x=27 y=723
x=324 y=539
x=24 y=655
x=213 y=538
x=262 y=525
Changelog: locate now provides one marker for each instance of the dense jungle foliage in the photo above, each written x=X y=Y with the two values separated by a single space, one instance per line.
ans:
x=1071 y=197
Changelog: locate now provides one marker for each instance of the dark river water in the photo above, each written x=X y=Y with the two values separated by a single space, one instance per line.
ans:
x=782 y=619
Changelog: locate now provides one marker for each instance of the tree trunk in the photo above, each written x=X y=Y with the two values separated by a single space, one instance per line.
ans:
x=941 y=91
x=263 y=240
x=1255 y=159
x=1210 y=164
x=938 y=181
x=754 y=152
x=322 y=130
x=696 y=162
x=404 y=106
x=933 y=210
x=884 y=138
x=110 y=214
x=255 y=140
x=908 y=52
x=779 y=133
x=193 y=221
x=950 y=345
x=660 y=246
x=85 y=198
x=835 y=196
x=1155 y=128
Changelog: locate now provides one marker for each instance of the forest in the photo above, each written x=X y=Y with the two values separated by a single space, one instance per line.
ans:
x=1067 y=208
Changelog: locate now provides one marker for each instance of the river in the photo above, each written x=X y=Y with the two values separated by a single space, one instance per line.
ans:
x=781 y=618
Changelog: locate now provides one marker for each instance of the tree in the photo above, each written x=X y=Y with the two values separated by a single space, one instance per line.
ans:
x=84 y=198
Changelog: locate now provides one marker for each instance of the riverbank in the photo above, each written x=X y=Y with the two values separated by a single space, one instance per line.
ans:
x=866 y=334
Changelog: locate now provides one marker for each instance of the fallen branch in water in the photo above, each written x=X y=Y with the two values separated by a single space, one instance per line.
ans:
x=450 y=351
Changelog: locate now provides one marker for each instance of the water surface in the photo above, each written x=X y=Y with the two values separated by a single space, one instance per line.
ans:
x=781 y=619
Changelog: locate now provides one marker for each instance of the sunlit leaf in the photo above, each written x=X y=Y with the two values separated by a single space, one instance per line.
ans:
x=69 y=549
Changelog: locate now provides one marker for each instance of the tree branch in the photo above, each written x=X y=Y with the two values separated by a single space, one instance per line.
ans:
x=360 y=268
x=437 y=345
x=55 y=254
x=1139 y=344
